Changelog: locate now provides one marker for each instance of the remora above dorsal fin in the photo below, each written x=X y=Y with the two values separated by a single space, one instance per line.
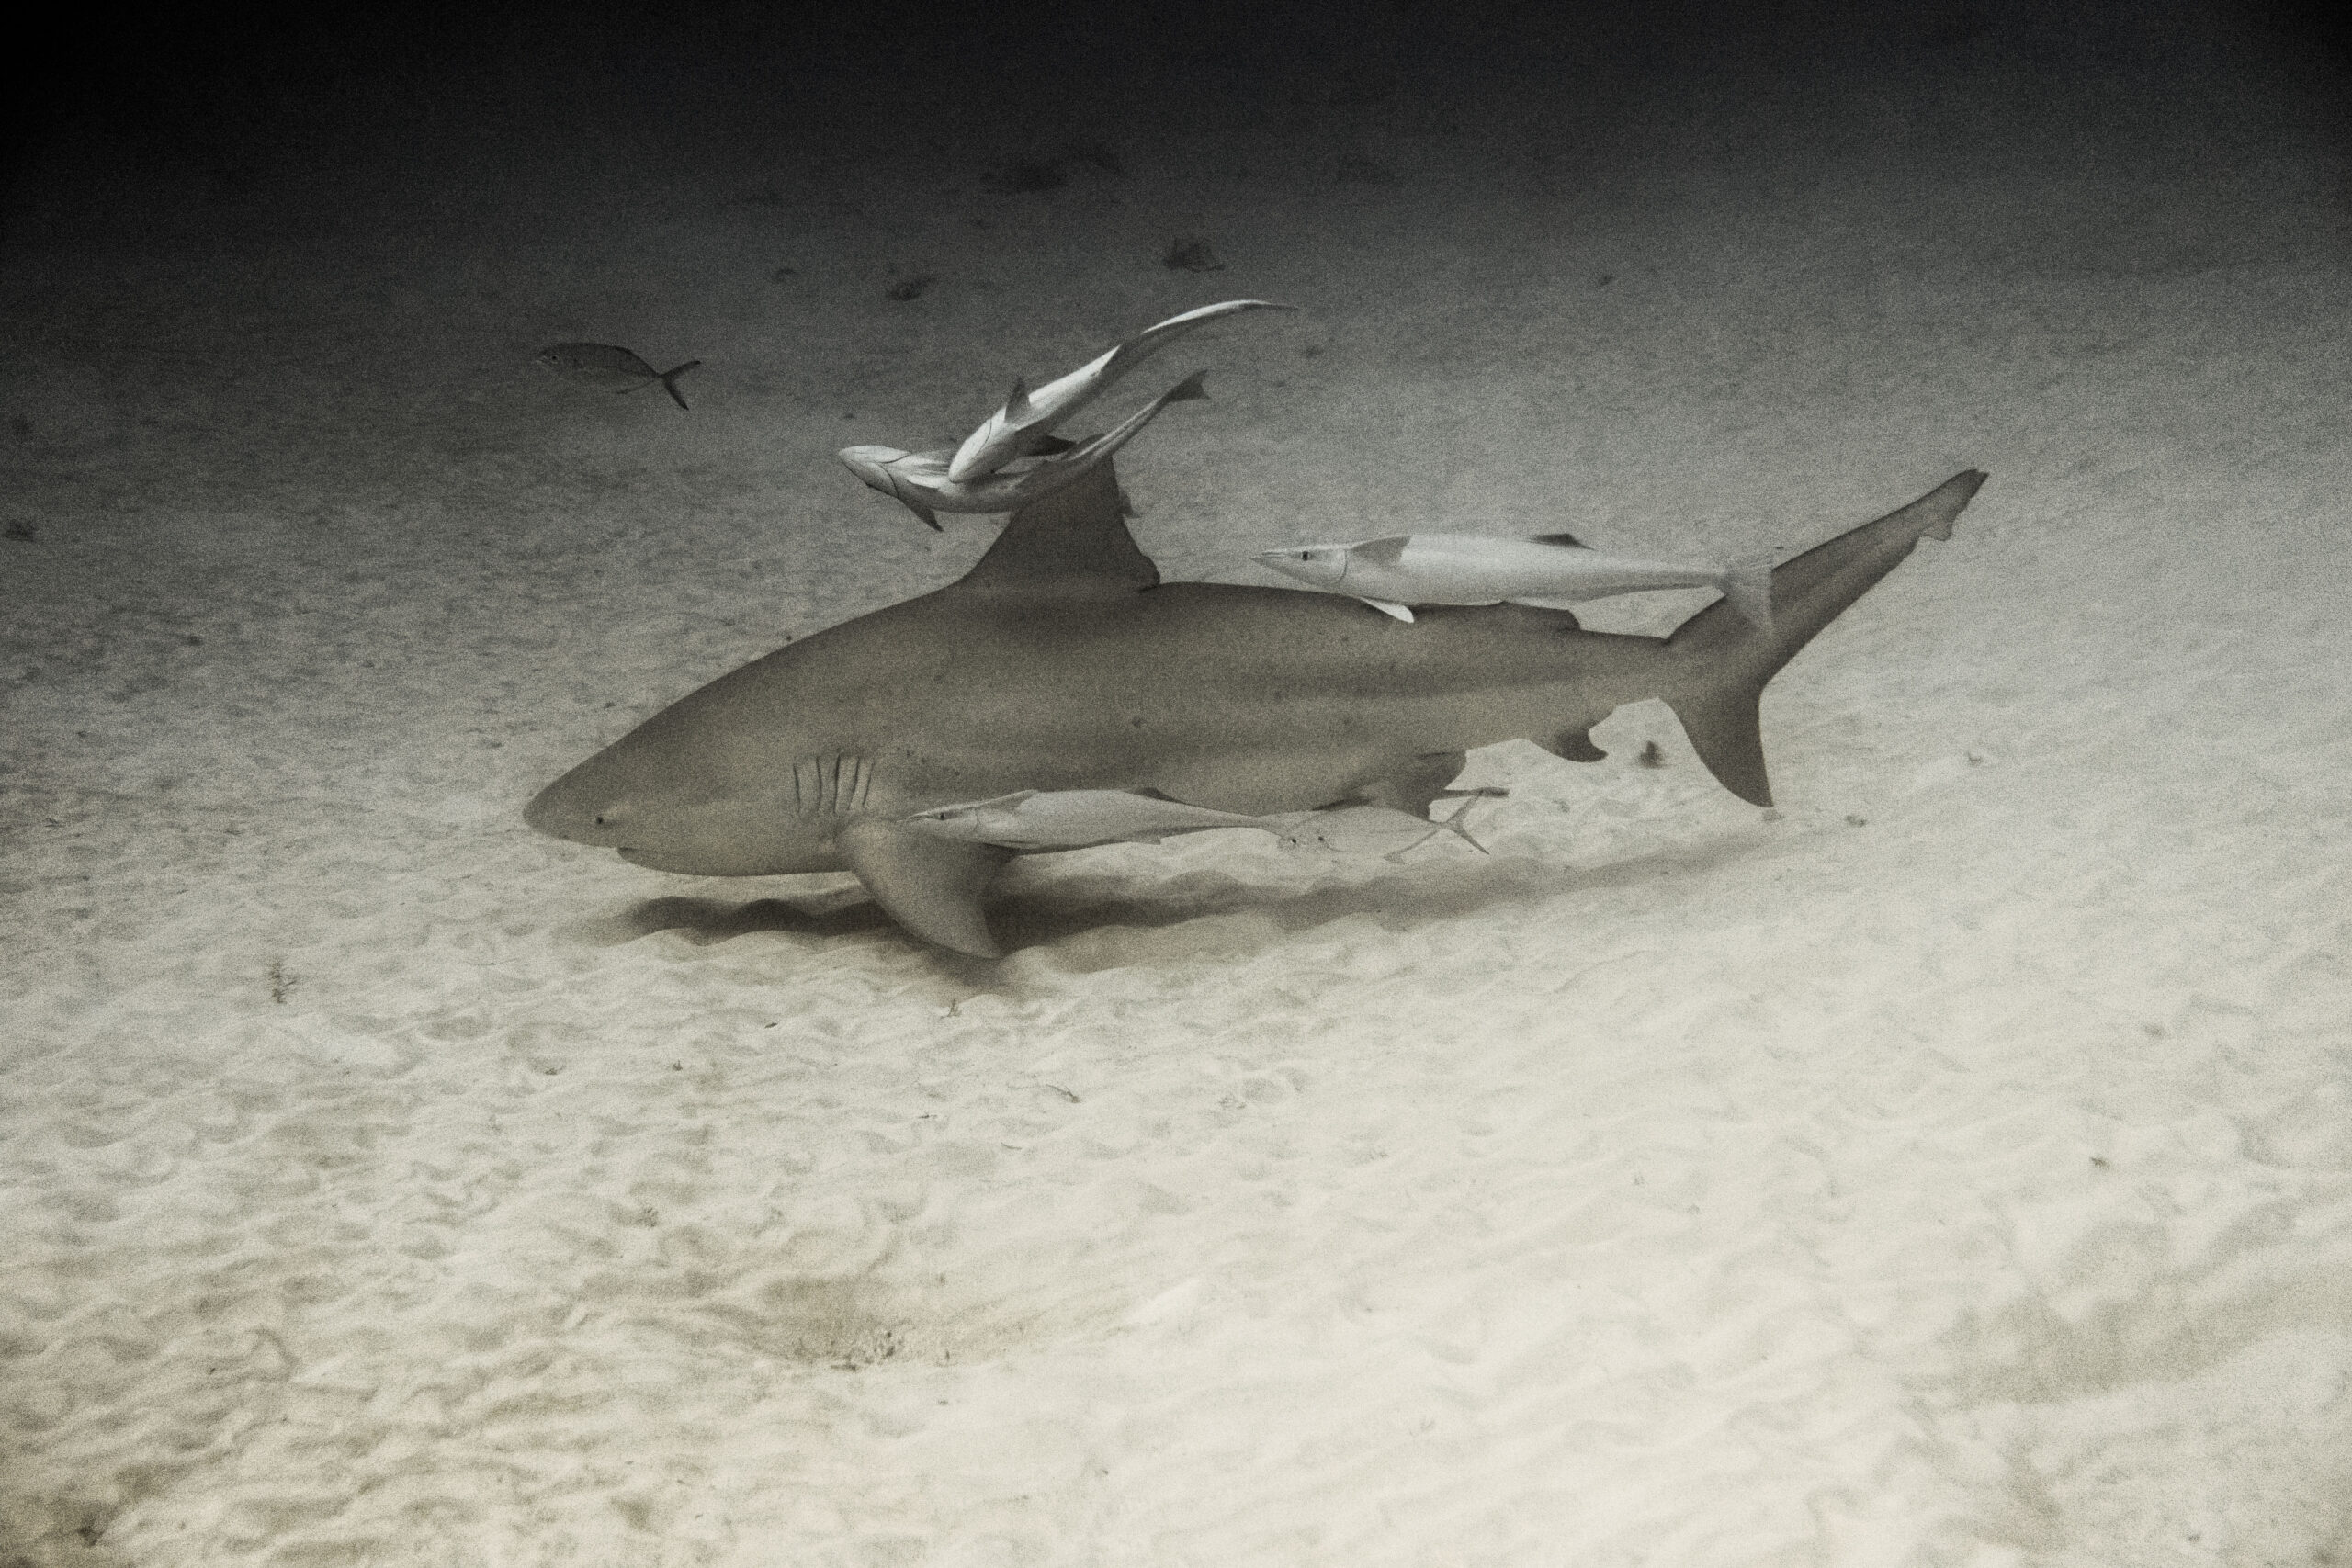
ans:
x=1073 y=541
x=1569 y=539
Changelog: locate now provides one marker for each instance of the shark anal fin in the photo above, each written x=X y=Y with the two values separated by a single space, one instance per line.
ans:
x=933 y=886
x=1412 y=785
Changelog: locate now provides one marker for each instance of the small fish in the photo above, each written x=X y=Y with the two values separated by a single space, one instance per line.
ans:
x=611 y=368
x=1031 y=821
x=1550 y=572
x=919 y=479
x=999 y=439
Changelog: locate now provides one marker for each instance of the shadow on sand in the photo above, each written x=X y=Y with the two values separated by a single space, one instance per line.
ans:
x=1046 y=913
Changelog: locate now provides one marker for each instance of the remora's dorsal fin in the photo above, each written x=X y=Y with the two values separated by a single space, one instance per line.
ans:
x=929 y=884
x=1073 y=541
x=1570 y=540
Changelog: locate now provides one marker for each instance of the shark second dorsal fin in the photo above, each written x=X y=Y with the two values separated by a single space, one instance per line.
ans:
x=1073 y=541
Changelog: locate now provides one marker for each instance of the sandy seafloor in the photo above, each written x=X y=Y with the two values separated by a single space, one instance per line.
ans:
x=1952 y=1167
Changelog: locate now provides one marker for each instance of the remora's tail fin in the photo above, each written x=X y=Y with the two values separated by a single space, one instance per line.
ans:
x=1725 y=660
x=670 y=381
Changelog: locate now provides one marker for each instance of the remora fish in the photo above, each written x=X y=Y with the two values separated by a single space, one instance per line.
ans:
x=1062 y=662
x=1032 y=821
x=1549 y=572
x=999 y=440
x=919 y=480
x=612 y=367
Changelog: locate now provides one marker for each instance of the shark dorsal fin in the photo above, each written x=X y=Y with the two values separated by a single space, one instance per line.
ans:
x=1016 y=402
x=1073 y=541
x=1570 y=540
x=1386 y=552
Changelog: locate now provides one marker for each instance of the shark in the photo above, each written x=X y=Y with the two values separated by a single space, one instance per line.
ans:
x=1061 y=661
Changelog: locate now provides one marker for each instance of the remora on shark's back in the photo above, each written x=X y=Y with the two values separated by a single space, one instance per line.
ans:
x=611 y=368
x=1062 y=662
x=920 y=481
x=1550 y=572
x=1002 y=437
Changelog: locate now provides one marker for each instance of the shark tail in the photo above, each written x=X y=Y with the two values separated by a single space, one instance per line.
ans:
x=1725 y=655
x=670 y=380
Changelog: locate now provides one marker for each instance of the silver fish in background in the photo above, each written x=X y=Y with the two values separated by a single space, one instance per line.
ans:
x=1032 y=821
x=1000 y=438
x=919 y=480
x=611 y=368
x=1550 y=572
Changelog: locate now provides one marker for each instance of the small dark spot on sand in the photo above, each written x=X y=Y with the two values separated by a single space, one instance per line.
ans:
x=193 y=640
x=1020 y=175
x=782 y=273
x=19 y=425
x=1605 y=280
x=1190 y=256
x=281 y=984
x=1854 y=821
x=2099 y=1160
x=1653 y=755
x=908 y=289
x=21 y=531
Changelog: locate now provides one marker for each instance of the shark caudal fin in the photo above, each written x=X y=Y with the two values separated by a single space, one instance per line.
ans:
x=1726 y=658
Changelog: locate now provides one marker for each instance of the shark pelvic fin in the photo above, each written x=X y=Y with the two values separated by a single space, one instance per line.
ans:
x=933 y=886
x=1073 y=541
x=1388 y=607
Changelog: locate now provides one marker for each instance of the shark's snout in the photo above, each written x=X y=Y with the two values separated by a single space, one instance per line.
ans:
x=567 y=810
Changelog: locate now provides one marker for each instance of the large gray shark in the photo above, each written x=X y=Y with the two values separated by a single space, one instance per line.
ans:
x=1062 y=662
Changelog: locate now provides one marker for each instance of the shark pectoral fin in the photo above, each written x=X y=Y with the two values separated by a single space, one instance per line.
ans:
x=1387 y=608
x=930 y=885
